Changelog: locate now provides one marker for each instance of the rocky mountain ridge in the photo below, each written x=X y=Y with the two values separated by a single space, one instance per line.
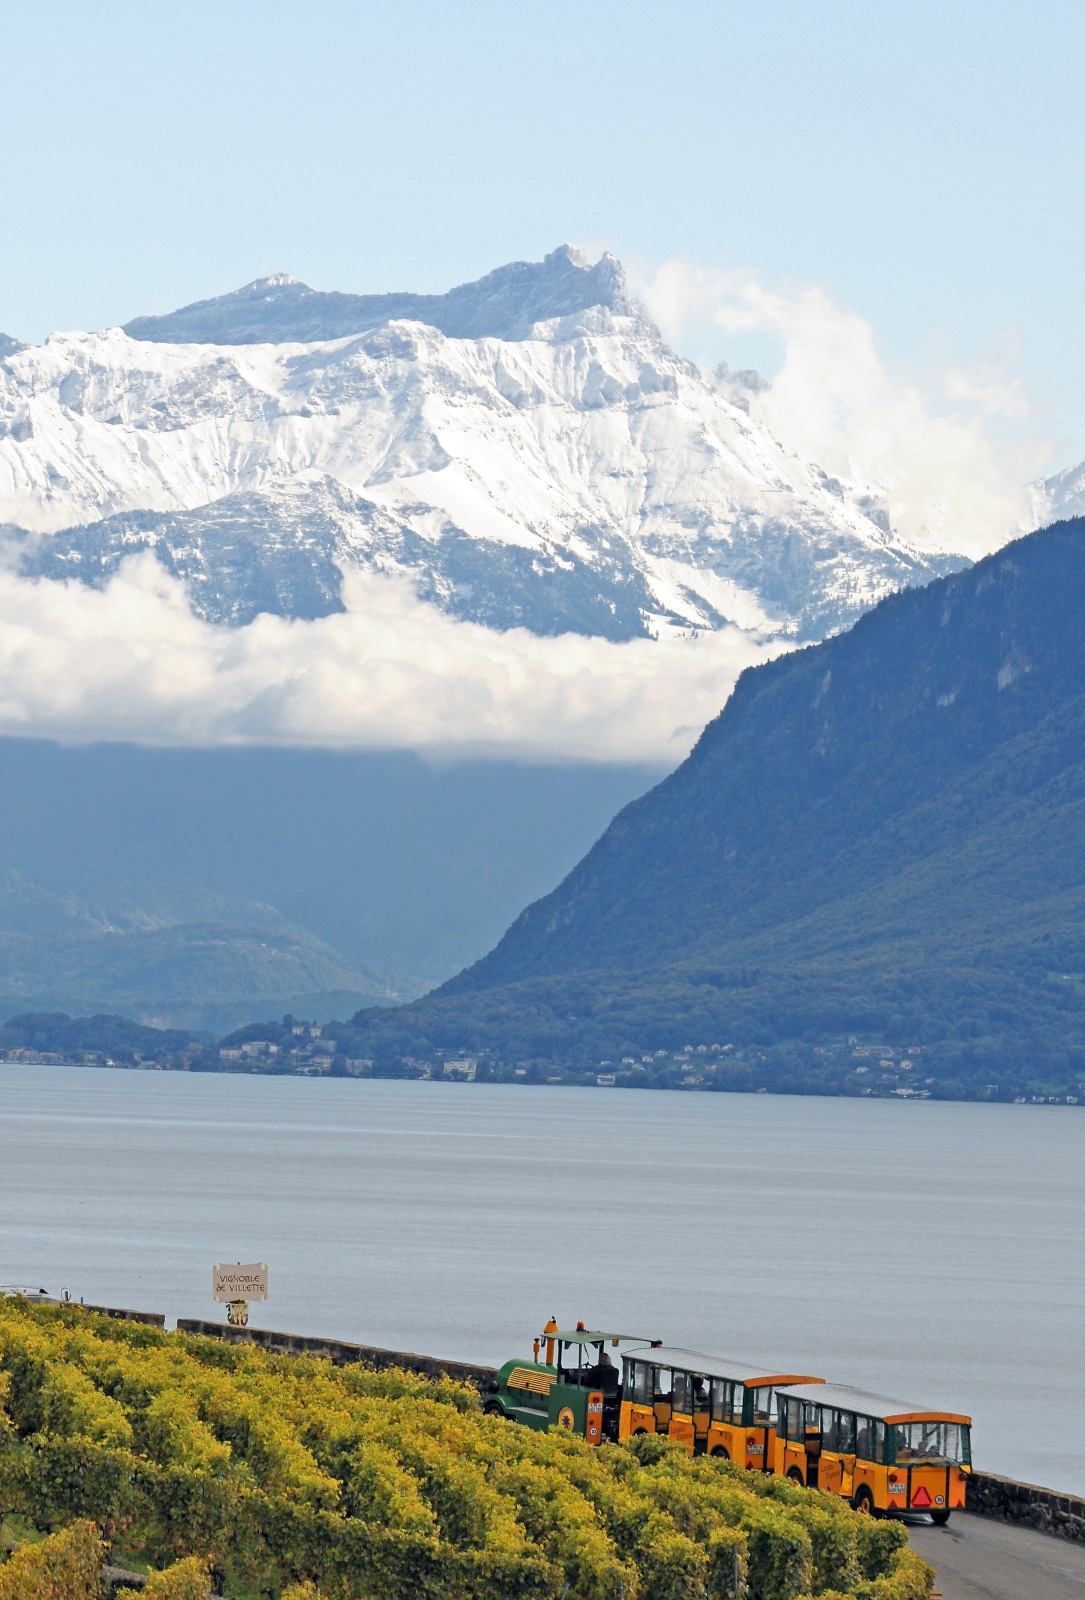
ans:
x=531 y=455
x=505 y=304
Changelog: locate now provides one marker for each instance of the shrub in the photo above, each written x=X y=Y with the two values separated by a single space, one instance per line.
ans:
x=671 y=1566
x=184 y=1580
x=833 y=1544
x=780 y=1555
x=308 y=1483
x=65 y=1566
x=911 y=1578
x=727 y=1565
x=877 y=1544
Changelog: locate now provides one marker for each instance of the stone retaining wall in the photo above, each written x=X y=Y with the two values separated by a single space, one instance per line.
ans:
x=1027 y=1505
x=341 y=1354
x=154 y=1319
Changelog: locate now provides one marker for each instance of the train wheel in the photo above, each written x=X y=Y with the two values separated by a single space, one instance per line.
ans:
x=795 y=1476
x=863 y=1501
x=939 y=1518
x=640 y=1433
x=494 y=1408
x=722 y=1452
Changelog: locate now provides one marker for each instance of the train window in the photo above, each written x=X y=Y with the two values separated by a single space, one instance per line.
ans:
x=663 y=1383
x=764 y=1404
x=794 y=1420
x=723 y=1400
x=639 y=1381
x=870 y=1439
x=930 y=1441
x=683 y=1392
x=838 y=1432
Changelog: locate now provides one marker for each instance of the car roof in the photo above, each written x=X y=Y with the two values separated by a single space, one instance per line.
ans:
x=709 y=1366
x=842 y=1397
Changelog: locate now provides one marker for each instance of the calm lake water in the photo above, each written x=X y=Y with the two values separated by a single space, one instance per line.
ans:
x=923 y=1250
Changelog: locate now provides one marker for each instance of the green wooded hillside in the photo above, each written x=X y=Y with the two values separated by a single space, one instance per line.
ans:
x=881 y=835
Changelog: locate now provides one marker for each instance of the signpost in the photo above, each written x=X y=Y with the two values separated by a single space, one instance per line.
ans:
x=235 y=1286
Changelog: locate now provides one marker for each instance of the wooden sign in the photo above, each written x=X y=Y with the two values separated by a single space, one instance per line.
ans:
x=242 y=1282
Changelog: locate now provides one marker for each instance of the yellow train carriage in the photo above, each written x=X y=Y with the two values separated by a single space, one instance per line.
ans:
x=710 y=1404
x=881 y=1454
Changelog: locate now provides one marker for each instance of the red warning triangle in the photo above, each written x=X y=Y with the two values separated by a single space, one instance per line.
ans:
x=921 y=1497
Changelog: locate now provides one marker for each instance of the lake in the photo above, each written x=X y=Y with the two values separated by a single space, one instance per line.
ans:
x=925 y=1250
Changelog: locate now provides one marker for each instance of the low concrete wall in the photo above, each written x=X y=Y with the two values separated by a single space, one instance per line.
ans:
x=153 y=1319
x=340 y=1354
x=1027 y=1505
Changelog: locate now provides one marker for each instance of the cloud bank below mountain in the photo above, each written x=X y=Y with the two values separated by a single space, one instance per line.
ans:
x=132 y=661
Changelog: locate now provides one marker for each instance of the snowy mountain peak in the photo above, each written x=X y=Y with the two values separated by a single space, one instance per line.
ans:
x=1062 y=495
x=524 y=451
x=506 y=304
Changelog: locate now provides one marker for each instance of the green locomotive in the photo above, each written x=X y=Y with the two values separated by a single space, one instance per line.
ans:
x=575 y=1387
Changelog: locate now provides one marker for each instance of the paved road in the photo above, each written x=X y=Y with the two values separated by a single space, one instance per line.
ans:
x=979 y=1559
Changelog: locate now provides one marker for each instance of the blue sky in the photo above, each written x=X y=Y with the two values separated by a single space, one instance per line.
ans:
x=920 y=162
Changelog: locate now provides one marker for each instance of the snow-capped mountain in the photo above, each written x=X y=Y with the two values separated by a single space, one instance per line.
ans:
x=526 y=449
x=1062 y=495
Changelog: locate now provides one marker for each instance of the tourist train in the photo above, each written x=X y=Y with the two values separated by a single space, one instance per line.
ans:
x=882 y=1455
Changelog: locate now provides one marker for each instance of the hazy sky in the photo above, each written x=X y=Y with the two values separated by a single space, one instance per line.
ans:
x=920 y=162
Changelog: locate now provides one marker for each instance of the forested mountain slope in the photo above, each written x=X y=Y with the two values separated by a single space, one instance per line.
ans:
x=885 y=832
x=830 y=770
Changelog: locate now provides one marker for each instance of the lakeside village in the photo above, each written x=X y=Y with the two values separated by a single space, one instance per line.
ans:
x=849 y=1066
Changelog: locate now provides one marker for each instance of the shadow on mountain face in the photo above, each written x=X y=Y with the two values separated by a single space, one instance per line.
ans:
x=163 y=880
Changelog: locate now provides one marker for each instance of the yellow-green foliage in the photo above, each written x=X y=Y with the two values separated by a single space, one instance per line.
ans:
x=303 y=1482
x=184 y=1580
x=66 y=1566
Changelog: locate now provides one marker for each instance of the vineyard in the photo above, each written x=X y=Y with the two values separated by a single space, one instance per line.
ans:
x=278 y=1478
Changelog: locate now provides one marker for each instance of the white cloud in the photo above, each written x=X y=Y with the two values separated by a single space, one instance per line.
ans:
x=950 y=454
x=132 y=662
